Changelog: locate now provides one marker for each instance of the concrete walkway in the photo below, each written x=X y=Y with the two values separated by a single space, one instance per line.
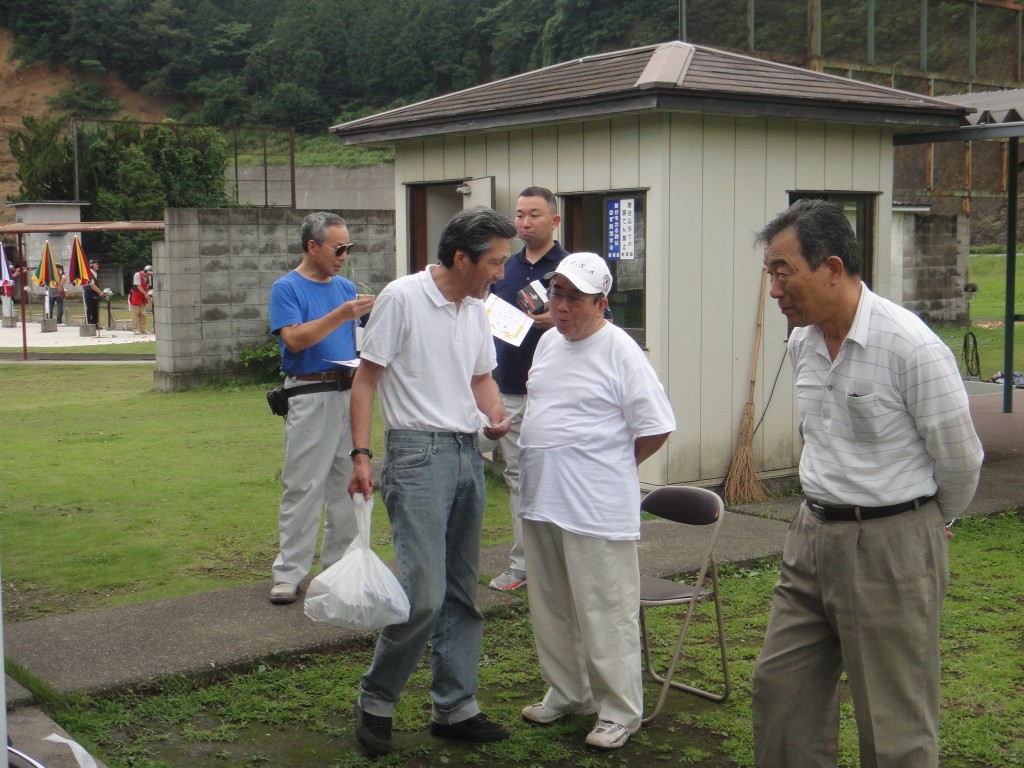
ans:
x=99 y=650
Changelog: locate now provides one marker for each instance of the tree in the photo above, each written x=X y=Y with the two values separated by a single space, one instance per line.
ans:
x=45 y=163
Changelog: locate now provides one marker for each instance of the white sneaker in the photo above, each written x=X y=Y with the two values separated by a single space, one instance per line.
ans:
x=282 y=592
x=542 y=714
x=608 y=735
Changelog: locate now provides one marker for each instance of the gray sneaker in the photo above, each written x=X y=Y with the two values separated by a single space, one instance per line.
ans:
x=283 y=593
x=509 y=580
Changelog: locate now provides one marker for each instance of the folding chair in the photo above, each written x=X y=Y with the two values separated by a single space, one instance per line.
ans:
x=696 y=507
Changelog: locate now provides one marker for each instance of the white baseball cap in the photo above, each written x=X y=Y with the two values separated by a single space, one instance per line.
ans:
x=587 y=271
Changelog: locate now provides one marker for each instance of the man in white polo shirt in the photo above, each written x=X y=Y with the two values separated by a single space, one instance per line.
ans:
x=890 y=453
x=428 y=349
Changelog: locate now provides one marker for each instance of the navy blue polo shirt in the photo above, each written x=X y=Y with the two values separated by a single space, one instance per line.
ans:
x=514 y=362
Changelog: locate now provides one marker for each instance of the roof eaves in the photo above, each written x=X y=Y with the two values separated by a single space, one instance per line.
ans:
x=649 y=100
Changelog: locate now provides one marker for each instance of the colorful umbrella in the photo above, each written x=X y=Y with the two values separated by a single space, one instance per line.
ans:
x=46 y=272
x=5 y=269
x=79 y=272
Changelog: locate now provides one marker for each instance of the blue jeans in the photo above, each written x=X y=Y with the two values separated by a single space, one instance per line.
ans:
x=433 y=487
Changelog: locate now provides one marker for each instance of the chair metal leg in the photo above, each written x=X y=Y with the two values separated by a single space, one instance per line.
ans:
x=666 y=681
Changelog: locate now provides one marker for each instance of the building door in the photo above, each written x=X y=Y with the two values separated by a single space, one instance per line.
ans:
x=432 y=204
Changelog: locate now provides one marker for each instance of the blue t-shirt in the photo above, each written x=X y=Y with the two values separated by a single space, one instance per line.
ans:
x=514 y=362
x=295 y=299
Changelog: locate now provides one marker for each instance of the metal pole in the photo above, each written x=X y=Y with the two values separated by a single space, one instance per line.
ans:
x=751 y=42
x=291 y=162
x=814 y=34
x=682 y=21
x=74 y=153
x=1011 y=269
x=21 y=293
x=973 y=48
x=871 y=31
x=924 y=36
x=266 y=188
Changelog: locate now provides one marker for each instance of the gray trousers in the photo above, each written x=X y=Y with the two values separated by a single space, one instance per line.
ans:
x=861 y=598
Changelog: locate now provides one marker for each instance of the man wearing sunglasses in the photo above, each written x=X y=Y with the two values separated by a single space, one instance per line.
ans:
x=313 y=312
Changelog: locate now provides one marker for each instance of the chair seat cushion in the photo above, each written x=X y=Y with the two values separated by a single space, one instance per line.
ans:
x=654 y=590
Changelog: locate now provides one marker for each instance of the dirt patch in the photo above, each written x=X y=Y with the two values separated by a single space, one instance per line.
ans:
x=27 y=89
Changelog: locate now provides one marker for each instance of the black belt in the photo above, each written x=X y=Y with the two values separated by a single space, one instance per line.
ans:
x=323 y=386
x=833 y=513
x=335 y=375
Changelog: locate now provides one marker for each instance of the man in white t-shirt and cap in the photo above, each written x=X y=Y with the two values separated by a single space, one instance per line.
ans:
x=595 y=411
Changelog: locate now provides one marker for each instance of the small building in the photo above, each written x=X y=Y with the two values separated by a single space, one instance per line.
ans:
x=48 y=212
x=666 y=160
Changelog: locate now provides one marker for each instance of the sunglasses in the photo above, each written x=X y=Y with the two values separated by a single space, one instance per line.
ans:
x=340 y=250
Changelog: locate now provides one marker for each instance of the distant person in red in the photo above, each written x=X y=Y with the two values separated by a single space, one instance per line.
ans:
x=138 y=298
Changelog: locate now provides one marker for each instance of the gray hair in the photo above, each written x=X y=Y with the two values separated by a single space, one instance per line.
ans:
x=315 y=226
x=471 y=232
x=822 y=229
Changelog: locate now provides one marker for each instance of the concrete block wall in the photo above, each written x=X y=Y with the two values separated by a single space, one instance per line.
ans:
x=214 y=271
x=936 y=256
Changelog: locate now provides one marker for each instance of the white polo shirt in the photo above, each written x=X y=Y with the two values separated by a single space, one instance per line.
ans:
x=430 y=349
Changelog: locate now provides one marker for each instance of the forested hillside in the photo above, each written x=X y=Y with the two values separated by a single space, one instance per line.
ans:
x=309 y=63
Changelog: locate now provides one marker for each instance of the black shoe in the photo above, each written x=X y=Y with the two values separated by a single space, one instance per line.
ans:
x=476 y=728
x=373 y=732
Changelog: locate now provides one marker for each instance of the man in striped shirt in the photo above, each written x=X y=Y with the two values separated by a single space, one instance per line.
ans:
x=890 y=454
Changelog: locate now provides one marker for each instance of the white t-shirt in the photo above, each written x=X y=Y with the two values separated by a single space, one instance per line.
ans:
x=430 y=349
x=587 y=403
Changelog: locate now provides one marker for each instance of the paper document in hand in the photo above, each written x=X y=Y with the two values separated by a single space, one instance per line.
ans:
x=354 y=363
x=508 y=322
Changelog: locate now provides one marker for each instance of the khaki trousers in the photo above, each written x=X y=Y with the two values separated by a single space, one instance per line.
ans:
x=138 y=317
x=584 y=606
x=863 y=598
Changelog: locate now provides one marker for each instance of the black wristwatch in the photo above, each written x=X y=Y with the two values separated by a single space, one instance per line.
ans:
x=364 y=451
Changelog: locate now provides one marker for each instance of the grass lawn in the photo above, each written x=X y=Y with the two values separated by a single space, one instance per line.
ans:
x=114 y=493
x=298 y=712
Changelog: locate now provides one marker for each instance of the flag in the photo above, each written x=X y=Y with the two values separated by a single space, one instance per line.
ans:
x=79 y=272
x=46 y=272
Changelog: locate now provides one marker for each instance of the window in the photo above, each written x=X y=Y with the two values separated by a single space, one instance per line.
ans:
x=860 y=210
x=614 y=226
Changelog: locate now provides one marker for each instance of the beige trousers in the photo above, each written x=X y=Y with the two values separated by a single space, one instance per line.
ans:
x=138 y=317
x=864 y=599
x=584 y=605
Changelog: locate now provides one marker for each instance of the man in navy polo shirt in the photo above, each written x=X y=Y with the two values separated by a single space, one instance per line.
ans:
x=536 y=220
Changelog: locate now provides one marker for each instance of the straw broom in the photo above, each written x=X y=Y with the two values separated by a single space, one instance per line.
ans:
x=742 y=485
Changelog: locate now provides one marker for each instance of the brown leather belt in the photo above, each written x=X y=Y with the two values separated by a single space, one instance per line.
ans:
x=833 y=513
x=341 y=374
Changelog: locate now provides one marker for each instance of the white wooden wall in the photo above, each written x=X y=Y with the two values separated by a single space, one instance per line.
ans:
x=712 y=183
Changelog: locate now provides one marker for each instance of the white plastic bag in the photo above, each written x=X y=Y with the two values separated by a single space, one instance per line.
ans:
x=358 y=591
